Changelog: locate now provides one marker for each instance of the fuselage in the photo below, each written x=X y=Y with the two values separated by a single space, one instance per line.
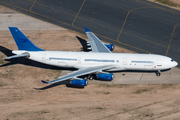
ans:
x=123 y=61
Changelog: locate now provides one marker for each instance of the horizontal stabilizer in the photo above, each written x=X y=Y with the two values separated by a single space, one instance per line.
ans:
x=16 y=56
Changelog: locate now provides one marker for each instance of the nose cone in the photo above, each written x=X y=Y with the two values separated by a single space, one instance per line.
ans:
x=175 y=63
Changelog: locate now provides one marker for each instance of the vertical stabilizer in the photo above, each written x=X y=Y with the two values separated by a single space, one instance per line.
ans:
x=22 y=41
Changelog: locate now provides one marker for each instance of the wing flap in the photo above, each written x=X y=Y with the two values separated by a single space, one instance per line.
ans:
x=80 y=72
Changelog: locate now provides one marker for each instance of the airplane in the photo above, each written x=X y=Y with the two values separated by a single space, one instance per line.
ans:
x=100 y=62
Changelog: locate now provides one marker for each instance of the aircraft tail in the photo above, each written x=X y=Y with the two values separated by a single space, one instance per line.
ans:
x=23 y=43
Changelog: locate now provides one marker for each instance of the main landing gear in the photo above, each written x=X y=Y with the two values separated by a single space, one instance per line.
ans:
x=90 y=77
x=158 y=73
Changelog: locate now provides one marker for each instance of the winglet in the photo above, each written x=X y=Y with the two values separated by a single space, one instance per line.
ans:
x=87 y=30
x=44 y=82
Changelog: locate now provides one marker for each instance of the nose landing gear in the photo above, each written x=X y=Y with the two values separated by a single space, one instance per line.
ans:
x=158 y=73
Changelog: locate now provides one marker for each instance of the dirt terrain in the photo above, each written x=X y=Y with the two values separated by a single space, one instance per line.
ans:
x=24 y=97
x=176 y=1
x=175 y=4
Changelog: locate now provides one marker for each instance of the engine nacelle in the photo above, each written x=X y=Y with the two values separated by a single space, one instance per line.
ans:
x=82 y=82
x=105 y=76
x=109 y=46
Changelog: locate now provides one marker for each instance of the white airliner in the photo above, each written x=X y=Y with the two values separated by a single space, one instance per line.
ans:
x=99 y=63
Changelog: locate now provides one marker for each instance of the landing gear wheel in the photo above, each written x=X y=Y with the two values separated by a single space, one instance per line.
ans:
x=158 y=73
x=91 y=77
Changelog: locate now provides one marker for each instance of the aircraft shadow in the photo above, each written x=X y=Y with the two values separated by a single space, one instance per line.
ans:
x=84 y=44
x=27 y=62
x=67 y=83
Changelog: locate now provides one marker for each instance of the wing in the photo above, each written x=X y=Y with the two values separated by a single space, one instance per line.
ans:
x=96 y=44
x=80 y=72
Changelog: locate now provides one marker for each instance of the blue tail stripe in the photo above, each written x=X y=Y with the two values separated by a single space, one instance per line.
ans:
x=22 y=41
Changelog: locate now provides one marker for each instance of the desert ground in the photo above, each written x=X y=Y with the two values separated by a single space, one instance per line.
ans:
x=173 y=1
x=24 y=97
x=175 y=4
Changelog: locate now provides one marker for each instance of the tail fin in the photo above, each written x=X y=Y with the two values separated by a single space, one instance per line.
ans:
x=22 y=41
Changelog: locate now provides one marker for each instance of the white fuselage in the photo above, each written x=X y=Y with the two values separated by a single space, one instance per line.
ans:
x=123 y=61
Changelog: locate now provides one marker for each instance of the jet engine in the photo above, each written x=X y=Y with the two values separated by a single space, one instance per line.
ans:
x=105 y=76
x=81 y=82
x=109 y=46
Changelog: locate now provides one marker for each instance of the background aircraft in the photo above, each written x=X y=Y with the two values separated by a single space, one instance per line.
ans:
x=99 y=63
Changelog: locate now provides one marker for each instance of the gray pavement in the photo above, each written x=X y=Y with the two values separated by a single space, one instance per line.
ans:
x=25 y=22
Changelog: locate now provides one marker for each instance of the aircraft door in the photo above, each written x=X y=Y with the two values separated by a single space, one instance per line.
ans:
x=159 y=62
x=43 y=57
x=79 y=60
x=124 y=61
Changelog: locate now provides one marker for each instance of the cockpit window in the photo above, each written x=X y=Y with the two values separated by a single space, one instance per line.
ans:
x=172 y=60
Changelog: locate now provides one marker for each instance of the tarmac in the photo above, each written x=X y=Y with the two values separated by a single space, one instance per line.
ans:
x=25 y=22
